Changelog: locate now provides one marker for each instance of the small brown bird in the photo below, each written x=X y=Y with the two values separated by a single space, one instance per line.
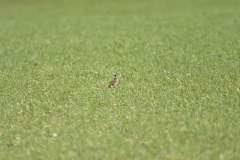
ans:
x=113 y=82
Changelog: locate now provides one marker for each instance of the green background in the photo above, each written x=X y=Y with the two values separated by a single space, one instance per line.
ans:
x=178 y=64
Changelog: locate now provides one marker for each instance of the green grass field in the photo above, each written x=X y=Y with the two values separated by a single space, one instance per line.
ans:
x=178 y=96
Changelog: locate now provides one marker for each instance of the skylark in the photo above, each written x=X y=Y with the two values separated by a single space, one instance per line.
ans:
x=113 y=82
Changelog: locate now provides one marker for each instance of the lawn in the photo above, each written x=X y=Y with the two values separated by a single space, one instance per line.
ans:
x=178 y=63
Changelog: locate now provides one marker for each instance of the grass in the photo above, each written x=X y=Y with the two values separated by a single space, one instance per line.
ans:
x=178 y=95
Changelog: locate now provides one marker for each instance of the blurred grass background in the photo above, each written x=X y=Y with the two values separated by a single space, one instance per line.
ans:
x=178 y=92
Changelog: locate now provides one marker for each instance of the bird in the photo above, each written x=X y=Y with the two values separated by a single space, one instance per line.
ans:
x=113 y=82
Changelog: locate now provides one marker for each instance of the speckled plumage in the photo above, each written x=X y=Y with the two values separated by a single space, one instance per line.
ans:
x=113 y=82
